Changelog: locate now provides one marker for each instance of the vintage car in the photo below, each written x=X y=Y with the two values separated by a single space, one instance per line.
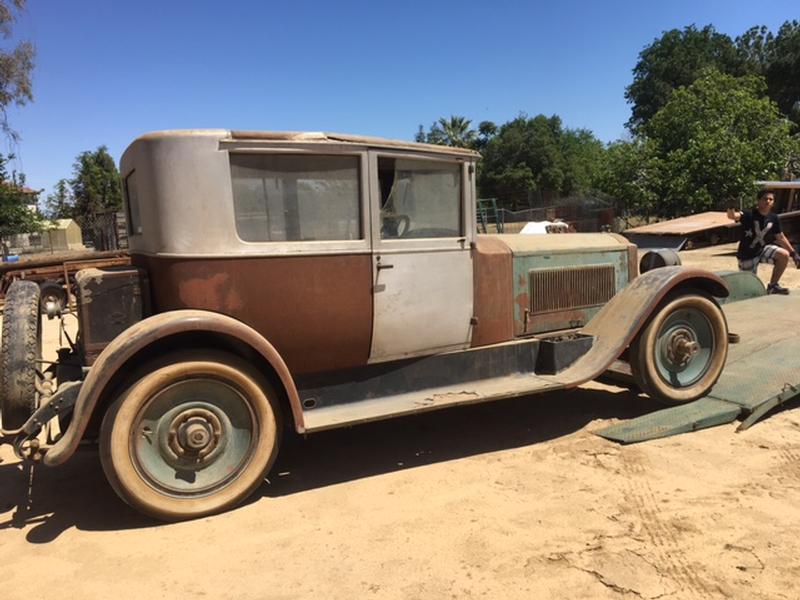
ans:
x=296 y=282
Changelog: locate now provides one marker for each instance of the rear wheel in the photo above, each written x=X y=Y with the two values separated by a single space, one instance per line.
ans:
x=680 y=354
x=21 y=349
x=191 y=438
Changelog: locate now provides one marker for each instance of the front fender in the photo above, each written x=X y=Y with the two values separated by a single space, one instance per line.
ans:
x=146 y=332
x=621 y=319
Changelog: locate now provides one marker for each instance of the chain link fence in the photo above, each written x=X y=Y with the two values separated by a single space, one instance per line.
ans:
x=105 y=231
x=580 y=213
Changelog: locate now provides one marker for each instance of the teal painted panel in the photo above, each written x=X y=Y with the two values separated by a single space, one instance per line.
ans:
x=743 y=286
x=523 y=263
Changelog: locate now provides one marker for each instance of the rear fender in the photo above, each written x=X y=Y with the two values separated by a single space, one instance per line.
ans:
x=148 y=332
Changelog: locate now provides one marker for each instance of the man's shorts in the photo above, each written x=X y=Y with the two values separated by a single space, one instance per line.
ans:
x=767 y=256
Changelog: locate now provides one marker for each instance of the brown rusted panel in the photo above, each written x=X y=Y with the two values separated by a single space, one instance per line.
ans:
x=492 y=284
x=315 y=310
x=633 y=262
x=141 y=335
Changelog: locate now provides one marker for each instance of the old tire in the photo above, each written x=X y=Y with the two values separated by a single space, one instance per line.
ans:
x=50 y=291
x=681 y=352
x=192 y=437
x=21 y=348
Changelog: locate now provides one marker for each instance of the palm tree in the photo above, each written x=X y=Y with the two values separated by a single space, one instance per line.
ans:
x=456 y=131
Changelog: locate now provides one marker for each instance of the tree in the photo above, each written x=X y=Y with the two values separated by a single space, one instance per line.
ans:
x=754 y=46
x=457 y=132
x=583 y=154
x=454 y=131
x=777 y=58
x=529 y=156
x=783 y=69
x=713 y=139
x=16 y=65
x=675 y=60
x=630 y=173
x=17 y=207
x=97 y=192
x=486 y=131
x=60 y=203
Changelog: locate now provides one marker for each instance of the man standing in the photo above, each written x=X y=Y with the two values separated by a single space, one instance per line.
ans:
x=763 y=241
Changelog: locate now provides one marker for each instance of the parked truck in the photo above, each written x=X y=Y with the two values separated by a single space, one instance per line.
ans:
x=288 y=283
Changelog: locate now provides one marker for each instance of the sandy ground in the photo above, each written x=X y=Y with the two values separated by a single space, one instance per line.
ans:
x=515 y=499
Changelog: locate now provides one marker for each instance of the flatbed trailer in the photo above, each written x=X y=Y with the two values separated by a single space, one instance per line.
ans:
x=700 y=230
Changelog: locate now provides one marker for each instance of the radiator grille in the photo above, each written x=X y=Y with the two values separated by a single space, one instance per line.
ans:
x=570 y=287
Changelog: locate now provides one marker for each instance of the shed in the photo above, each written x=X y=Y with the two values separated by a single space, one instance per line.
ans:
x=62 y=234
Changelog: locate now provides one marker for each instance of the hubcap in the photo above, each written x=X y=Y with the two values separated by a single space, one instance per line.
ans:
x=685 y=347
x=193 y=437
x=682 y=346
x=194 y=434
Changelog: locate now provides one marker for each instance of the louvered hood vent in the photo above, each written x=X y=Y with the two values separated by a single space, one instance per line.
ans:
x=569 y=288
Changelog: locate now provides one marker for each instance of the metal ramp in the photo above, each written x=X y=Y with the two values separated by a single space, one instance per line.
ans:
x=762 y=372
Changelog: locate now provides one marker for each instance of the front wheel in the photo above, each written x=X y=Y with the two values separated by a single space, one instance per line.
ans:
x=680 y=354
x=191 y=438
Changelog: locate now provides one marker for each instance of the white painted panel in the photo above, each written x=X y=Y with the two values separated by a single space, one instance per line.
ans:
x=423 y=303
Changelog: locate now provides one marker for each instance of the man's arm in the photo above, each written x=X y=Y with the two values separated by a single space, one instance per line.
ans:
x=783 y=241
x=734 y=215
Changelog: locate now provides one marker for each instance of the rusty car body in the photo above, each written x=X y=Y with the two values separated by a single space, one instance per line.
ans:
x=306 y=281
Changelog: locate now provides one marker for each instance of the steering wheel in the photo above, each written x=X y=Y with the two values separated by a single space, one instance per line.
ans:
x=395 y=225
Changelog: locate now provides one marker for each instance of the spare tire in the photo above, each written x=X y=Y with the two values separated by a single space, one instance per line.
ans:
x=21 y=349
x=661 y=257
x=52 y=292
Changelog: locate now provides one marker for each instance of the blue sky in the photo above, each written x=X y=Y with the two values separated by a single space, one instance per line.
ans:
x=107 y=72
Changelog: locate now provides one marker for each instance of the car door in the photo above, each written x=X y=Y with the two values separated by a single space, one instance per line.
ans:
x=422 y=266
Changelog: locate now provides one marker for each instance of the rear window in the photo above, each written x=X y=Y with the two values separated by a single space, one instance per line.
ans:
x=132 y=198
x=297 y=197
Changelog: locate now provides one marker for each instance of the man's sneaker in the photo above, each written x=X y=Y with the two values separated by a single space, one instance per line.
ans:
x=776 y=288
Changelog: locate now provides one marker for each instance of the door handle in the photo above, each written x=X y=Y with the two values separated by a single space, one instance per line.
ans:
x=380 y=266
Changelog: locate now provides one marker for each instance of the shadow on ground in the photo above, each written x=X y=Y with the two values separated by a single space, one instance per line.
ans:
x=77 y=495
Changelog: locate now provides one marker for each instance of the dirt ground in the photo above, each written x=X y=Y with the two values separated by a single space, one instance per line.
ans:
x=514 y=499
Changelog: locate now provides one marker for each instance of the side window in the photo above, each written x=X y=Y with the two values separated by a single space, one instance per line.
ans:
x=296 y=197
x=132 y=198
x=419 y=198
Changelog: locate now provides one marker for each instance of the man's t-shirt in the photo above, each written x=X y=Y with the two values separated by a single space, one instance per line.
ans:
x=757 y=231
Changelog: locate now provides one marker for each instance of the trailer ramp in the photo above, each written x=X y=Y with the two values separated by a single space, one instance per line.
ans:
x=762 y=373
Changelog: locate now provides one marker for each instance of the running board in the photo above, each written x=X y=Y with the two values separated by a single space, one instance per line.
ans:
x=398 y=388
x=425 y=400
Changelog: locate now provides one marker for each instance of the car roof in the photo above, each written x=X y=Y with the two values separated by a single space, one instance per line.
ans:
x=314 y=137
